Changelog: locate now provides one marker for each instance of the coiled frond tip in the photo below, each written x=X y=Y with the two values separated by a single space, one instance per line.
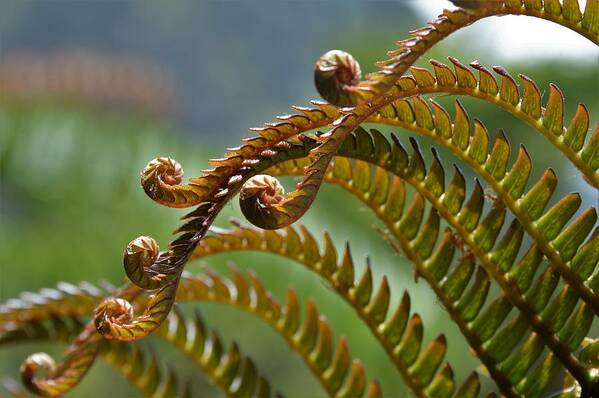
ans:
x=335 y=74
x=256 y=198
x=112 y=311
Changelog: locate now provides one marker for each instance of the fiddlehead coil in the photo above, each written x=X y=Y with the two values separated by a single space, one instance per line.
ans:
x=161 y=181
x=335 y=75
x=63 y=376
x=115 y=319
x=34 y=362
x=139 y=256
x=110 y=311
x=257 y=199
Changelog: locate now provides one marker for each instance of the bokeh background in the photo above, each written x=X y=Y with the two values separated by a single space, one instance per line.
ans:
x=90 y=91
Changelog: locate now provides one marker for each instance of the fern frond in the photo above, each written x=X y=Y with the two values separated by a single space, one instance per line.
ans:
x=590 y=263
x=527 y=106
x=339 y=374
x=378 y=90
x=66 y=374
x=313 y=339
x=161 y=178
x=509 y=185
x=142 y=367
x=78 y=357
x=65 y=299
x=150 y=268
x=372 y=308
x=450 y=21
x=79 y=304
x=233 y=372
x=461 y=81
x=558 y=316
x=553 y=238
x=296 y=203
x=57 y=328
x=372 y=305
x=42 y=315
x=472 y=147
x=138 y=363
x=292 y=206
x=480 y=234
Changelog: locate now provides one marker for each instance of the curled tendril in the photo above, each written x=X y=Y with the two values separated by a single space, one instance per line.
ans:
x=61 y=377
x=138 y=258
x=115 y=319
x=258 y=199
x=335 y=75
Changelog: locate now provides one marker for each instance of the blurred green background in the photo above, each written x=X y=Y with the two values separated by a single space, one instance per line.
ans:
x=91 y=91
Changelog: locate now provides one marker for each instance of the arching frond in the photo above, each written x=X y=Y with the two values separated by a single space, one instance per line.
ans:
x=588 y=244
x=377 y=150
x=143 y=368
x=80 y=354
x=450 y=21
x=339 y=274
x=339 y=374
x=393 y=329
x=569 y=138
x=358 y=181
x=233 y=372
x=64 y=375
x=552 y=236
x=378 y=90
x=491 y=163
x=50 y=327
x=65 y=299
x=296 y=203
x=138 y=363
x=312 y=339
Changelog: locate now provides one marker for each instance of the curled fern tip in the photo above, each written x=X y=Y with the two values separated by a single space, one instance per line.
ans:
x=112 y=311
x=139 y=256
x=159 y=177
x=33 y=363
x=335 y=75
x=256 y=198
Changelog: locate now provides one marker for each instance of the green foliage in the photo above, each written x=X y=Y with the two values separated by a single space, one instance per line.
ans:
x=514 y=268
